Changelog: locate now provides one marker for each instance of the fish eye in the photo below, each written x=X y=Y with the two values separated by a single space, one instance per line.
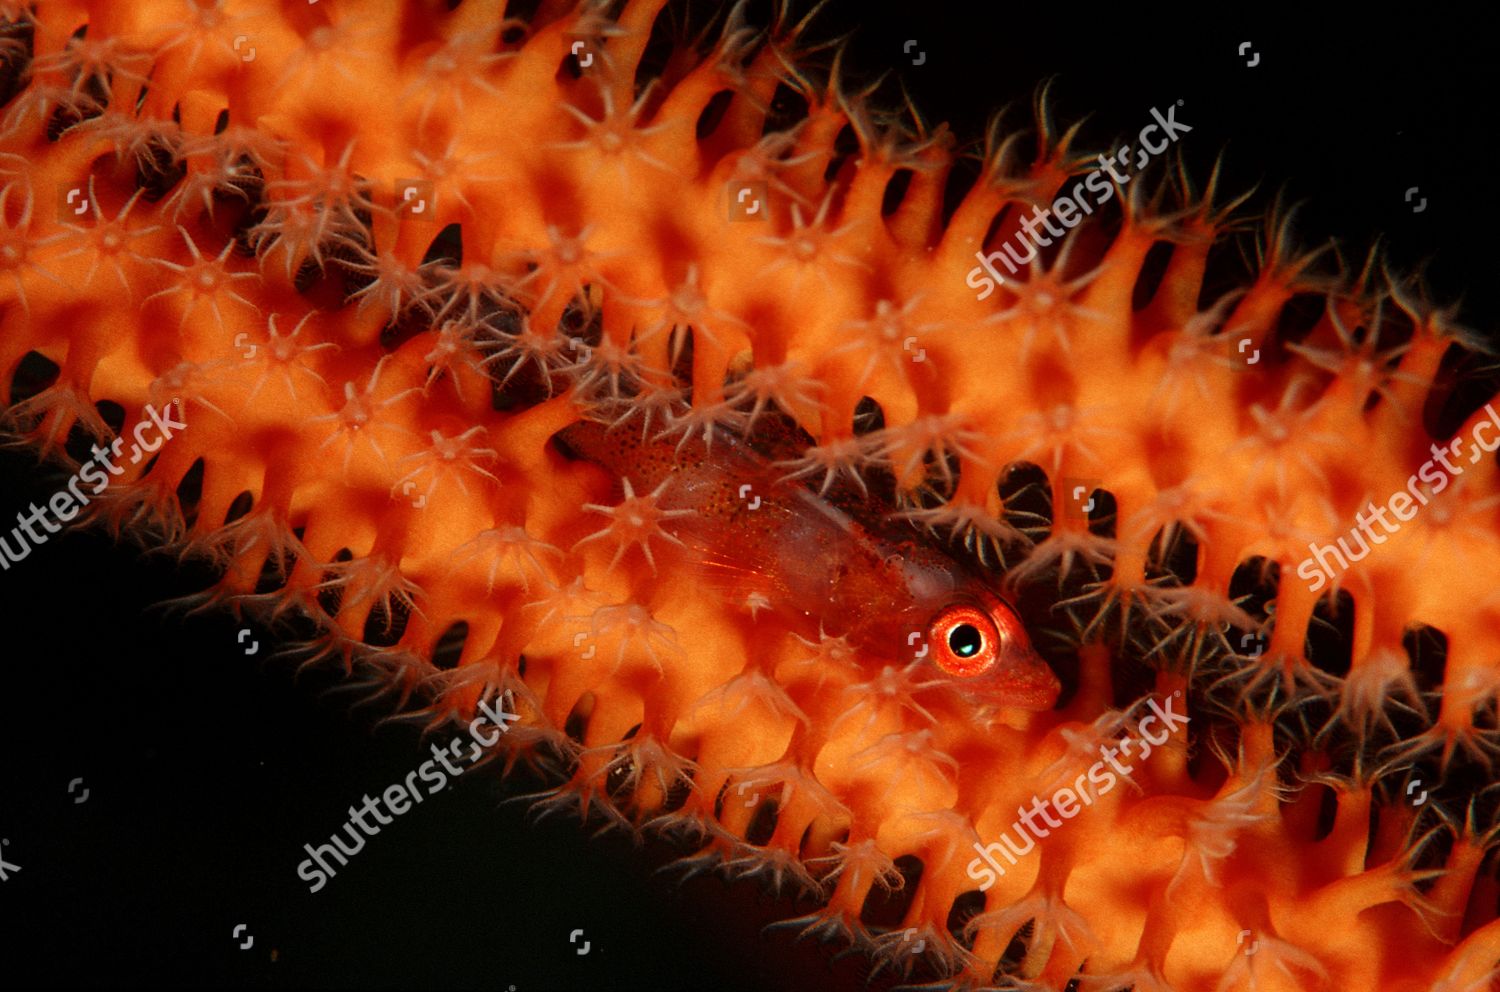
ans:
x=967 y=642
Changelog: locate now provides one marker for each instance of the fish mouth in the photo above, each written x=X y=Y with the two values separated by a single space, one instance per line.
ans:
x=1026 y=674
x=1023 y=679
x=1041 y=686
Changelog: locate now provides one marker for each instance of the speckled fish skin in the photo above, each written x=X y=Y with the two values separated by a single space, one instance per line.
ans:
x=751 y=532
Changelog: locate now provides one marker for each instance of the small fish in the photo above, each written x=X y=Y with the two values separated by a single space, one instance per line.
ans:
x=754 y=533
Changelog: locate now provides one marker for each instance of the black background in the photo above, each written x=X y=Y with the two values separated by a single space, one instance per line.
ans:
x=208 y=771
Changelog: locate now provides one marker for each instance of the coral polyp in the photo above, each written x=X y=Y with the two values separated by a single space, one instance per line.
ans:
x=838 y=518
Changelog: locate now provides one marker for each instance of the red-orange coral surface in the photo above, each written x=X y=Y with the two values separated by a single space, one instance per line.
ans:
x=236 y=205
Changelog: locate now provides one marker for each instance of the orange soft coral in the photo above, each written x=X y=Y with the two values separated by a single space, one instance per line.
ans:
x=381 y=253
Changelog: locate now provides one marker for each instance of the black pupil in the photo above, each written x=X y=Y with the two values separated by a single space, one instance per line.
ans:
x=965 y=640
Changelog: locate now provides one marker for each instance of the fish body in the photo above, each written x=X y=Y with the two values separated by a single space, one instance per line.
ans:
x=753 y=533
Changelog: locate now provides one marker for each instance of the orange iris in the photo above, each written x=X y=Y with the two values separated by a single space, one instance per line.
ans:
x=966 y=641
